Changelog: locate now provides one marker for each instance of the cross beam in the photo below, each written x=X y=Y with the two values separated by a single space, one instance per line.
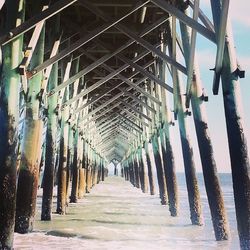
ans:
x=107 y=57
x=32 y=22
x=138 y=39
x=86 y=39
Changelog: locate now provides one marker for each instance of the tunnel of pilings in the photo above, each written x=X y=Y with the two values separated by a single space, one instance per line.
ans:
x=85 y=83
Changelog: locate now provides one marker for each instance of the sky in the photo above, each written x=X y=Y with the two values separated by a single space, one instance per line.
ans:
x=205 y=53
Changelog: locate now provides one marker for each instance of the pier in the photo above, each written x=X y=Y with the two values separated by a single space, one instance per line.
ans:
x=84 y=84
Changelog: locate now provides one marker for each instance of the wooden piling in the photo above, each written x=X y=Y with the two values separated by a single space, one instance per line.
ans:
x=159 y=170
x=132 y=171
x=102 y=171
x=70 y=155
x=75 y=170
x=31 y=146
x=169 y=170
x=51 y=144
x=150 y=171
x=82 y=171
x=190 y=173
x=136 y=169
x=235 y=131
x=9 y=117
x=115 y=170
x=187 y=150
x=143 y=177
x=88 y=175
x=167 y=151
x=82 y=182
x=211 y=178
x=62 y=168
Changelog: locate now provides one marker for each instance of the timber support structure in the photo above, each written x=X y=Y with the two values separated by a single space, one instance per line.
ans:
x=116 y=89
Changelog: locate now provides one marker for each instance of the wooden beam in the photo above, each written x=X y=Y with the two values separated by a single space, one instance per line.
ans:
x=190 y=64
x=32 y=22
x=146 y=73
x=170 y=8
x=100 y=61
x=105 y=79
x=220 y=36
x=135 y=37
x=85 y=39
x=136 y=110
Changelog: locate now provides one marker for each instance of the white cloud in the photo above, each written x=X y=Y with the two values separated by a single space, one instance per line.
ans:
x=238 y=10
x=206 y=57
x=244 y=62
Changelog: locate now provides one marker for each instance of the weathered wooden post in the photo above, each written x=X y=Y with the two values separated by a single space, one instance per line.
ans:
x=75 y=168
x=187 y=150
x=150 y=171
x=142 y=171
x=127 y=170
x=124 y=166
x=93 y=168
x=9 y=118
x=132 y=171
x=62 y=168
x=122 y=171
x=211 y=179
x=102 y=171
x=51 y=133
x=63 y=152
x=70 y=153
x=156 y=151
x=98 y=169
x=89 y=169
x=82 y=171
x=31 y=145
x=136 y=168
x=235 y=130
x=159 y=170
x=115 y=169
x=96 y=160
x=190 y=173
x=167 y=151
x=75 y=141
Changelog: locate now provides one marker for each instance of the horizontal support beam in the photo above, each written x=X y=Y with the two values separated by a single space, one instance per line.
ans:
x=170 y=8
x=135 y=116
x=121 y=122
x=135 y=37
x=128 y=120
x=137 y=111
x=146 y=73
x=140 y=102
x=102 y=81
x=102 y=114
x=32 y=22
x=85 y=39
x=107 y=57
x=205 y=20
x=102 y=106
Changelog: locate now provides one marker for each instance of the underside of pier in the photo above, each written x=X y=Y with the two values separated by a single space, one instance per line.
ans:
x=86 y=83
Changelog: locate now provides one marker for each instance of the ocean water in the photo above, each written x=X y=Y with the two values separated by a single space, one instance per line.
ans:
x=116 y=215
